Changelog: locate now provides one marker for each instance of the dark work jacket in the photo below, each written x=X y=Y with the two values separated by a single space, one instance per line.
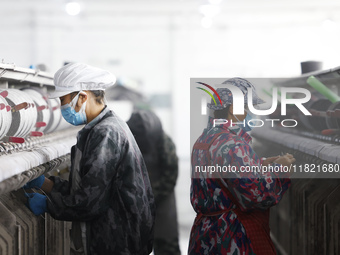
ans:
x=158 y=150
x=159 y=153
x=113 y=194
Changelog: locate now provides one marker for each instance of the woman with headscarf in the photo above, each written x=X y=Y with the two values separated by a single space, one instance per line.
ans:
x=233 y=208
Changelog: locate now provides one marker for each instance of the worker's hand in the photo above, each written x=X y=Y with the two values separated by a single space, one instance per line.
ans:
x=37 y=203
x=36 y=183
x=269 y=160
x=285 y=160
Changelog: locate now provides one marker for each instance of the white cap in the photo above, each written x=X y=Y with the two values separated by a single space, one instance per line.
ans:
x=78 y=76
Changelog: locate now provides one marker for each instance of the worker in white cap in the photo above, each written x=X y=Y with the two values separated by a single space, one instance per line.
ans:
x=108 y=196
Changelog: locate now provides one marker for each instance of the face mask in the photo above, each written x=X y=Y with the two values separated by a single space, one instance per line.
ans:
x=246 y=126
x=70 y=114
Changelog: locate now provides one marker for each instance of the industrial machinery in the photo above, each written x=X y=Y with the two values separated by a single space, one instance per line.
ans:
x=307 y=220
x=34 y=140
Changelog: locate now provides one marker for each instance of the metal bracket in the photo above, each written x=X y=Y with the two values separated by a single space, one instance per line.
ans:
x=24 y=79
x=3 y=72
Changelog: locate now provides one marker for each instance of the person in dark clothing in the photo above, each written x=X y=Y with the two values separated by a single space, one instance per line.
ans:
x=108 y=196
x=159 y=153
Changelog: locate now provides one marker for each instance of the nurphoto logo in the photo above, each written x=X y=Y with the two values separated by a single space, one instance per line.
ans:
x=239 y=105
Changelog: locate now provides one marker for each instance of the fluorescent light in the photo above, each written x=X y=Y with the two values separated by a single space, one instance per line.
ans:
x=72 y=8
x=329 y=25
x=209 y=10
x=206 y=22
x=215 y=1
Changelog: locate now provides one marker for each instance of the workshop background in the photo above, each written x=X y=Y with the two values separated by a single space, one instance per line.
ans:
x=155 y=47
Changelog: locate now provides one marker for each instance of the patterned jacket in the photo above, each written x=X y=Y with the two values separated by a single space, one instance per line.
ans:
x=224 y=234
x=108 y=190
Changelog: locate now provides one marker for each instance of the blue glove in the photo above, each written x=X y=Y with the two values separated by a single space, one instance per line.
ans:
x=37 y=203
x=36 y=183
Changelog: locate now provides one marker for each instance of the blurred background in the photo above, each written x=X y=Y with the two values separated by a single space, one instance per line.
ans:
x=161 y=44
x=156 y=46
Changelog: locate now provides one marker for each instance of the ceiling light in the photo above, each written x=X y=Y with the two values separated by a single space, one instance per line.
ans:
x=206 y=22
x=215 y=1
x=72 y=8
x=209 y=10
x=329 y=24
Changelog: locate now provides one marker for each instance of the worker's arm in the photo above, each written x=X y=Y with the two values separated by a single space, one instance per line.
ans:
x=95 y=187
x=40 y=183
x=47 y=185
x=254 y=189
